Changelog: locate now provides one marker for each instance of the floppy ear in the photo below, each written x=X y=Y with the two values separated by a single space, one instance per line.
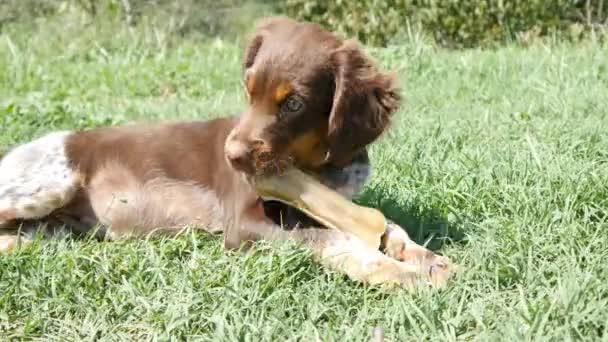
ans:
x=251 y=52
x=253 y=47
x=364 y=101
x=262 y=28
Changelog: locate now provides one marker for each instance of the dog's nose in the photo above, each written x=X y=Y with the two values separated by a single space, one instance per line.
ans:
x=238 y=155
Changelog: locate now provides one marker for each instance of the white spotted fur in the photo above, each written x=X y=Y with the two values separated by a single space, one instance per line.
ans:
x=35 y=178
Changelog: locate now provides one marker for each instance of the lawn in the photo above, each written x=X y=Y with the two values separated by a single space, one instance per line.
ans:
x=498 y=159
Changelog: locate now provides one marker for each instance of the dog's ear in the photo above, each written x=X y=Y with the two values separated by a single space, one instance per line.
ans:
x=364 y=101
x=252 y=51
x=263 y=27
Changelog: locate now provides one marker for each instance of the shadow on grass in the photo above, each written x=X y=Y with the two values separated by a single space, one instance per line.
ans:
x=424 y=225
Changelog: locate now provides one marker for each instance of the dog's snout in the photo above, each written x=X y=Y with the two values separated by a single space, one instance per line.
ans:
x=238 y=155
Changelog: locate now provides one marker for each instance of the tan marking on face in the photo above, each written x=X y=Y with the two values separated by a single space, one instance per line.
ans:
x=308 y=149
x=281 y=91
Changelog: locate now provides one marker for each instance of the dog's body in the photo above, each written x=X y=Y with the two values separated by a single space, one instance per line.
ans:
x=317 y=112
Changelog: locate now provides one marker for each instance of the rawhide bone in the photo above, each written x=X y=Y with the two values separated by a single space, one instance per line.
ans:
x=297 y=189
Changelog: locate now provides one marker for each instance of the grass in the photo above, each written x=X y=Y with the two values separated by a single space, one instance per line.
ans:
x=499 y=159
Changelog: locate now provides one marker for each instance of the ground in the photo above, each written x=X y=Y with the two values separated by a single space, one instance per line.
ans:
x=498 y=159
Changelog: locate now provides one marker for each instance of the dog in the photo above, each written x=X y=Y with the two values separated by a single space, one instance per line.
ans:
x=315 y=102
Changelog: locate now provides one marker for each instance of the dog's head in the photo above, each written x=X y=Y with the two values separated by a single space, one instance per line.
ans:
x=314 y=100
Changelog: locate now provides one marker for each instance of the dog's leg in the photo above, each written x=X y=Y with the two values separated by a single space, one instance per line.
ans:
x=347 y=254
x=35 y=180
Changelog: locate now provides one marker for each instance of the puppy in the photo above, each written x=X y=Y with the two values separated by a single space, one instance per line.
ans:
x=315 y=102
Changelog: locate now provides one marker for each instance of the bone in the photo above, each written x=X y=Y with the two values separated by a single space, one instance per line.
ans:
x=297 y=189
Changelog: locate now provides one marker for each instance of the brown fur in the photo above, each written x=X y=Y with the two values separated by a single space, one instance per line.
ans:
x=130 y=172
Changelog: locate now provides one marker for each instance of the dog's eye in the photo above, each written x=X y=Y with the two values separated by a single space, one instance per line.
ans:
x=292 y=104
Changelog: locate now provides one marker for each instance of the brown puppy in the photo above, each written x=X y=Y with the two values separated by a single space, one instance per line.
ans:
x=315 y=102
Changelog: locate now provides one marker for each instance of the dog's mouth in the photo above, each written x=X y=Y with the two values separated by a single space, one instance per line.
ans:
x=268 y=163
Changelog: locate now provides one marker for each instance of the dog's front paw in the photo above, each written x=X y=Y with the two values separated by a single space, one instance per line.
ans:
x=398 y=245
x=392 y=273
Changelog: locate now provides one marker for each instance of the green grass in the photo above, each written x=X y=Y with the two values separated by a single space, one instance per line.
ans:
x=498 y=158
